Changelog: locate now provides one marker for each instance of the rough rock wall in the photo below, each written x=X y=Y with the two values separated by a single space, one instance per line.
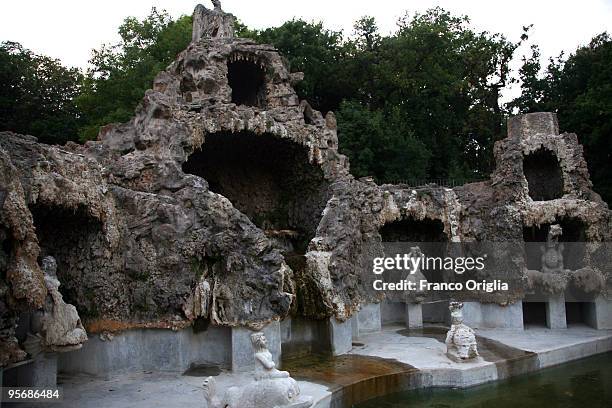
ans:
x=153 y=227
x=138 y=241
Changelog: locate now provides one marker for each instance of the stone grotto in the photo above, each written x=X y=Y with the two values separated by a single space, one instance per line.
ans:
x=224 y=208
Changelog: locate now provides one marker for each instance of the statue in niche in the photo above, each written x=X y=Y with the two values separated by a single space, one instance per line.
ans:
x=57 y=327
x=552 y=252
x=460 y=340
x=416 y=276
x=270 y=388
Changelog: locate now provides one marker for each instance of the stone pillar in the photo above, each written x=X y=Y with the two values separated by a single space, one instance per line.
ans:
x=368 y=319
x=414 y=315
x=242 y=349
x=340 y=336
x=555 y=312
x=522 y=126
x=599 y=313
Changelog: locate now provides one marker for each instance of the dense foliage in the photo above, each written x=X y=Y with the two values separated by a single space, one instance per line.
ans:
x=419 y=104
x=37 y=95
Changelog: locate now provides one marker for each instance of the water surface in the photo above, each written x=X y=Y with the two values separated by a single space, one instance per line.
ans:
x=585 y=383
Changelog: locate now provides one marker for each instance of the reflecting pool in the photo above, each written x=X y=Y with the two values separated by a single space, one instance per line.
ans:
x=582 y=383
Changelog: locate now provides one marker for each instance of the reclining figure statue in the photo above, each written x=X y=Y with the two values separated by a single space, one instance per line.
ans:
x=271 y=388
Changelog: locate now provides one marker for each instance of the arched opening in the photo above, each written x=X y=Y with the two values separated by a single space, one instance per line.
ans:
x=398 y=238
x=74 y=238
x=248 y=82
x=267 y=178
x=427 y=234
x=573 y=237
x=543 y=174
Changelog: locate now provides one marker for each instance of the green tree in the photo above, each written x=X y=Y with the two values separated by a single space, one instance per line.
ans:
x=37 y=95
x=316 y=51
x=121 y=73
x=381 y=144
x=579 y=89
x=436 y=73
x=446 y=78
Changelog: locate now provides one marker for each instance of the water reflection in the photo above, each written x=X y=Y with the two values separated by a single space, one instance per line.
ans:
x=583 y=383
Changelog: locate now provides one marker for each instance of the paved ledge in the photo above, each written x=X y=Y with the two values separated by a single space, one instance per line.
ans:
x=392 y=360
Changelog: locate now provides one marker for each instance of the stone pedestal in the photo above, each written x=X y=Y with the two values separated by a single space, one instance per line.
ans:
x=340 y=336
x=368 y=319
x=599 y=314
x=242 y=349
x=555 y=312
x=414 y=315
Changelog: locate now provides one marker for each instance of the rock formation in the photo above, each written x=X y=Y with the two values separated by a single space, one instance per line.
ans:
x=225 y=199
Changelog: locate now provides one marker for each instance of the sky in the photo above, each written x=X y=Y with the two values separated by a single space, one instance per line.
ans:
x=70 y=29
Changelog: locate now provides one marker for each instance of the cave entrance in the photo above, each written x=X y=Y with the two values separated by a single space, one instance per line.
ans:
x=248 y=82
x=74 y=238
x=268 y=179
x=573 y=238
x=534 y=314
x=428 y=234
x=543 y=174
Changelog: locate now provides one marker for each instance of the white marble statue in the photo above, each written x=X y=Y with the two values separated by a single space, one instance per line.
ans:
x=270 y=388
x=460 y=340
x=57 y=327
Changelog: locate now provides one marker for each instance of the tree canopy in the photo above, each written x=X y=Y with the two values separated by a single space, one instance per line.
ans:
x=431 y=88
x=37 y=95
x=421 y=103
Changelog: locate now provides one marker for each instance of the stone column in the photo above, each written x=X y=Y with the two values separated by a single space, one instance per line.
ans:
x=555 y=312
x=414 y=315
